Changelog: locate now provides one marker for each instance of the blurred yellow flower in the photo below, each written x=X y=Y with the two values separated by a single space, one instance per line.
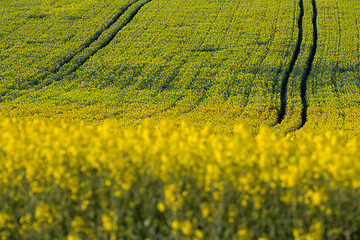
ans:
x=186 y=228
x=175 y=225
x=77 y=224
x=109 y=222
x=199 y=234
x=161 y=207
x=201 y=178
x=73 y=237
x=4 y=218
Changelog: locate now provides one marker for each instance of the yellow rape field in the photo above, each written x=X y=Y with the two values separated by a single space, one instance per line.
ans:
x=95 y=181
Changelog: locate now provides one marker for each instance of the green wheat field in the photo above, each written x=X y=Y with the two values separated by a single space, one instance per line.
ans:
x=180 y=119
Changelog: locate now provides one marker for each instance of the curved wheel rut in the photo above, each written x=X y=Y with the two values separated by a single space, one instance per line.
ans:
x=285 y=80
x=80 y=59
x=307 y=68
x=98 y=41
x=93 y=38
x=107 y=39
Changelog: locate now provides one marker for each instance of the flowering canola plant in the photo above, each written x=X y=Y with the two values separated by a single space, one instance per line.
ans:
x=174 y=182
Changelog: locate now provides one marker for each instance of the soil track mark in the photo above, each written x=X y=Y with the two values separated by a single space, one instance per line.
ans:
x=91 y=51
x=308 y=68
x=285 y=80
x=98 y=41
x=93 y=38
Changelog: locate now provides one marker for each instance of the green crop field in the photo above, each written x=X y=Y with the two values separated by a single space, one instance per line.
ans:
x=288 y=59
x=281 y=77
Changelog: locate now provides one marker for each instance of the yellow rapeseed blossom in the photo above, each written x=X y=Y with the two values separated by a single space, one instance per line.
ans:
x=199 y=234
x=25 y=219
x=43 y=213
x=73 y=237
x=161 y=207
x=175 y=225
x=84 y=204
x=206 y=210
x=78 y=224
x=109 y=222
x=243 y=234
x=4 y=218
x=186 y=228
x=83 y=177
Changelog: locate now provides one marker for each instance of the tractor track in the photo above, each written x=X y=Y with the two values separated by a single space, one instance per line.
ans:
x=280 y=70
x=93 y=38
x=309 y=65
x=107 y=40
x=98 y=41
x=71 y=56
x=285 y=80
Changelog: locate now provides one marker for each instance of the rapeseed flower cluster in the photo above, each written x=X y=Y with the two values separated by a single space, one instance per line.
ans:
x=174 y=181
